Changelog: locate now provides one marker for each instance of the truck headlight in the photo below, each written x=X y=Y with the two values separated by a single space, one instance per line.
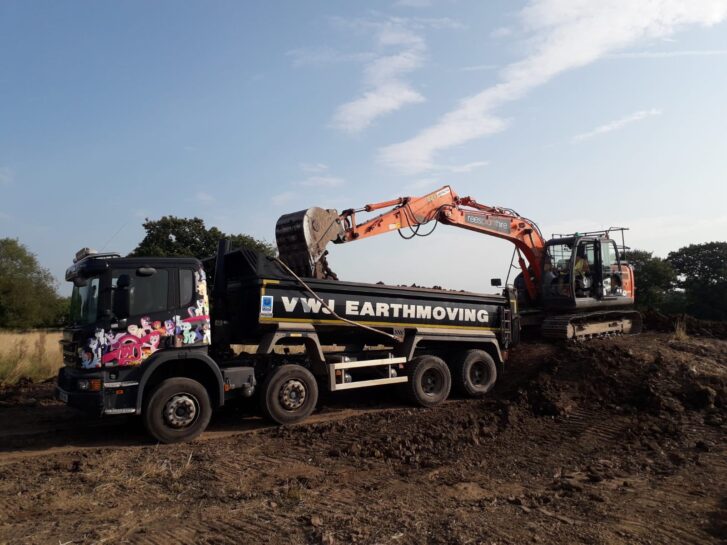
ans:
x=90 y=385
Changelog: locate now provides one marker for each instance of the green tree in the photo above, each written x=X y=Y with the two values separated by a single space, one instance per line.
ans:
x=171 y=236
x=28 y=295
x=655 y=277
x=702 y=270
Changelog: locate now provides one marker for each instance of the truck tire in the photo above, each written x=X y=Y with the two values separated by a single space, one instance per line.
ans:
x=178 y=409
x=474 y=372
x=429 y=381
x=289 y=394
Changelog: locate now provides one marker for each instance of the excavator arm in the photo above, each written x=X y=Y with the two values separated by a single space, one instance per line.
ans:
x=302 y=236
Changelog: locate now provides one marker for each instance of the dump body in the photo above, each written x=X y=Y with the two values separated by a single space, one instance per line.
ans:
x=261 y=295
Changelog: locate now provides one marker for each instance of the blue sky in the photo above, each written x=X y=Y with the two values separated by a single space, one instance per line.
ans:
x=579 y=115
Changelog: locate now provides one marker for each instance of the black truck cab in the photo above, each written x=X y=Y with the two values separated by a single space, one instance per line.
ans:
x=130 y=316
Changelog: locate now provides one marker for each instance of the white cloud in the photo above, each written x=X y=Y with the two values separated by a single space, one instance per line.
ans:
x=501 y=32
x=7 y=176
x=617 y=124
x=434 y=22
x=203 y=196
x=439 y=169
x=562 y=35
x=423 y=184
x=321 y=56
x=467 y=167
x=412 y=3
x=359 y=114
x=313 y=167
x=283 y=198
x=322 y=181
x=478 y=68
x=385 y=90
x=670 y=54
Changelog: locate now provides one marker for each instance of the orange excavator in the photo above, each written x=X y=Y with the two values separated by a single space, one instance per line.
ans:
x=572 y=286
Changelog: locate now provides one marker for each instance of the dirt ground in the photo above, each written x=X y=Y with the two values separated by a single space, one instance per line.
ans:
x=616 y=441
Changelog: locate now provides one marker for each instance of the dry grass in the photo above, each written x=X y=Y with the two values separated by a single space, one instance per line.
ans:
x=29 y=354
x=680 y=329
x=154 y=469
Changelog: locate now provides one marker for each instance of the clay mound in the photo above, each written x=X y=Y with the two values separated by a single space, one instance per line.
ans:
x=637 y=374
x=656 y=321
x=647 y=378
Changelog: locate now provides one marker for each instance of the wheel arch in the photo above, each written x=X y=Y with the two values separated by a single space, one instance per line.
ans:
x=451 y=343
x=190 y=364
x=299 y=335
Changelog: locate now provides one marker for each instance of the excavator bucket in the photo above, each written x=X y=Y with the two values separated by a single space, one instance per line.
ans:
x=302 y=238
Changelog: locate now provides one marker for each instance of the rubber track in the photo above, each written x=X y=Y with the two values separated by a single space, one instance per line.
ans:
x=558 y=327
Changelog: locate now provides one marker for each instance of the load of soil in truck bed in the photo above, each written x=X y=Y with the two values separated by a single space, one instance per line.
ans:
x=612 y=441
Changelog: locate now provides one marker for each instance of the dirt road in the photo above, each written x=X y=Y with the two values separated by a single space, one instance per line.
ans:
x=618 y=441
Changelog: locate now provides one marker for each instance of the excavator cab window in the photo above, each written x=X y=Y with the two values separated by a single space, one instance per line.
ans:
x=611 y=269
x=556 y=271
x=584 y=269
x=596 y=269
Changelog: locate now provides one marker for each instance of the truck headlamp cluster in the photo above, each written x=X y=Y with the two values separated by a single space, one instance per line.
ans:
x=90 y=385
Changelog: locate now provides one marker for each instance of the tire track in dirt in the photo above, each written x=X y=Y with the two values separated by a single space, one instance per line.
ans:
x=594 y=424
x=103 y=434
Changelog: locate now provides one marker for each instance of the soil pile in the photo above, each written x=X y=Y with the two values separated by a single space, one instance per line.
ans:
x=656 y=321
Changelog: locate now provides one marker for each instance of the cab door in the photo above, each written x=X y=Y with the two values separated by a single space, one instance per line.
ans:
x=586 y=273
x=609 y=269
x=617 y=277
x=143 y=302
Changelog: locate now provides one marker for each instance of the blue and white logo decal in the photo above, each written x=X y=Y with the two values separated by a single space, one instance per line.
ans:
x=266 y=305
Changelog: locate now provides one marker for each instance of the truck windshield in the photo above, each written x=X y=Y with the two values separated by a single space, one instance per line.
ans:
x=84 y=302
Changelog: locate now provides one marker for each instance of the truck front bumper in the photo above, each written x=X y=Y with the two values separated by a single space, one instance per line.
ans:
x=112 y=397
x=90 y=402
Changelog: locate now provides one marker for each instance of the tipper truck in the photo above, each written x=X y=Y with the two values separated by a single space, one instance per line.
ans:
x=154 y=337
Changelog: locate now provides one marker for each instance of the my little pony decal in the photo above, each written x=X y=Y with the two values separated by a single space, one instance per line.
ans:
x=109 y=349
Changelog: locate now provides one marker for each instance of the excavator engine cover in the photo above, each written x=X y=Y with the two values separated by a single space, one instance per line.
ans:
x=302 y=238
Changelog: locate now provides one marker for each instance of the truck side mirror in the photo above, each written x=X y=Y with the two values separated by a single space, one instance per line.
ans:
x=495 y=282
x=122 y=297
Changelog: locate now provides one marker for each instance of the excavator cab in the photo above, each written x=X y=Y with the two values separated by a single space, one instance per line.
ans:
x=585 y=271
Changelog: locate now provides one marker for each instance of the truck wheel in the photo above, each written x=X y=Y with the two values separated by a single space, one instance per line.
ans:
x=289 y=394
x=429 y=381
x=475 y=373
x=178 y=409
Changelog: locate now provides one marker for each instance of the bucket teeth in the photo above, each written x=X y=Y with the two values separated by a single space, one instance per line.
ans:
x=302 y=238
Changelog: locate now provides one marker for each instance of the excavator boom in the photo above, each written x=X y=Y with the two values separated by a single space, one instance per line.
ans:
x=302 y=236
